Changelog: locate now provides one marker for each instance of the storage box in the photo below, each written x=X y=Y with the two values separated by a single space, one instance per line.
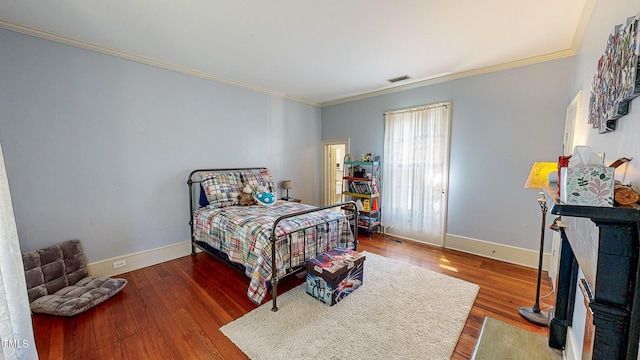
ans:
x=334 y=274
x=588 y=185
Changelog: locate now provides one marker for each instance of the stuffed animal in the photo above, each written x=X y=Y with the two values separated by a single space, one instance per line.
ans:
x=263 y=197
x=246 y=196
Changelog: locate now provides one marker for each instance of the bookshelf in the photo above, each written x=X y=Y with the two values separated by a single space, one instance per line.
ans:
x=361 y=183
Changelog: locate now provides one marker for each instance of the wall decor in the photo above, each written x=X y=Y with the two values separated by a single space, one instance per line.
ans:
x=616 y=82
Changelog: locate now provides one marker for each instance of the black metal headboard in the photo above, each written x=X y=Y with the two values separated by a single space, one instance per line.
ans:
x=200 y=173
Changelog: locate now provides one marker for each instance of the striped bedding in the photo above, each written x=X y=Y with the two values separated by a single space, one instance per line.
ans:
x=242 y=232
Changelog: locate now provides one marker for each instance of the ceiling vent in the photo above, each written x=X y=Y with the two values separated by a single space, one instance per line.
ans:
x=399 y=78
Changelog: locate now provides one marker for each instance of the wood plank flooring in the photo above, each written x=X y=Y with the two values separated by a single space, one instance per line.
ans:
x=173 y=310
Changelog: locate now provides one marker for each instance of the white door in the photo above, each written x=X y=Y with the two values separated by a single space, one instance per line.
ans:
x=334 y=151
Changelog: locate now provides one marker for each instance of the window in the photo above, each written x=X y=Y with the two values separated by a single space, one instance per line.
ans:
x=416 y=143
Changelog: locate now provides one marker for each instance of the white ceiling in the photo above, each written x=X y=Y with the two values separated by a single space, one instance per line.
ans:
x=316 y=52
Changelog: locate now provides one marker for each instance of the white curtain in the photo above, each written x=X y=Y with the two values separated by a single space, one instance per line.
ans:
x=414 y=171
x=16 y=332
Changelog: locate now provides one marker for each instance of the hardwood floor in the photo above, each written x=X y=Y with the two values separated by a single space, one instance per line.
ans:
x=173 y=310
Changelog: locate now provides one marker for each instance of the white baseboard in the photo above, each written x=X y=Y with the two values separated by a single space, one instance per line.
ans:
x=506 y=253
x=571 y=351
x=139 y=260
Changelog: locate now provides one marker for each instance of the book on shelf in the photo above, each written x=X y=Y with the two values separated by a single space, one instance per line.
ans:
x=362 y=188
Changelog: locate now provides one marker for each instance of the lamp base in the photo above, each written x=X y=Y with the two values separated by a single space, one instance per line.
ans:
x=539 y=318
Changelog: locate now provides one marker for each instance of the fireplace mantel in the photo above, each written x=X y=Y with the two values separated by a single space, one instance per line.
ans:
x=615 y=300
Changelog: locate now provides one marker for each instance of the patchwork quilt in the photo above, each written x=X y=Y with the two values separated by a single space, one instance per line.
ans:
x=243 y=233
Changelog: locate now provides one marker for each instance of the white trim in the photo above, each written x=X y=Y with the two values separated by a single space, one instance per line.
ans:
x=572 y=51
x=445 y=180
x=444 y=198
x=325 y=164
x=556 y=247
x=582 y=25
x=418 y=108
x=506 y=253
x=571 y=117
x=139 y=260
x=433 y=241
x=571 y=349
x=440 y=79
x=44 y=34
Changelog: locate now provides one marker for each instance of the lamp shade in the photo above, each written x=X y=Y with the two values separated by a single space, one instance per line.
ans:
x=287 y=184
x=539 y=173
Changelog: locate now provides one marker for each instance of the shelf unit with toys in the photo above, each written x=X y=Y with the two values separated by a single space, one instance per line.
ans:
x=361 y=183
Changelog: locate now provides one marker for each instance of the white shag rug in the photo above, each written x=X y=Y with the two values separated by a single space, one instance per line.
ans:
x=401 y=311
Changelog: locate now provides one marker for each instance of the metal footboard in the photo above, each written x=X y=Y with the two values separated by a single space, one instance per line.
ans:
x=274 y=270
x=351 y=218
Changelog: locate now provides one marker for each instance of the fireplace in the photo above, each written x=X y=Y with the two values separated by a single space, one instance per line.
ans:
x=614 y=299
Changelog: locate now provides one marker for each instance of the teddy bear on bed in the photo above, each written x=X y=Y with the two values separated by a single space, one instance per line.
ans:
x=246 y=196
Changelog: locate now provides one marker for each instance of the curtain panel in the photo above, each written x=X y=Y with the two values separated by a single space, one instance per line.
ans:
x=16 y=331
x=414 y=171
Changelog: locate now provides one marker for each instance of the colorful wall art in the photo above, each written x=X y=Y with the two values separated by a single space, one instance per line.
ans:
x=615 y=83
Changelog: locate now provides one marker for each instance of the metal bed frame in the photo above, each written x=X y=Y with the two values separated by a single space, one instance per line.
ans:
x=275 y=279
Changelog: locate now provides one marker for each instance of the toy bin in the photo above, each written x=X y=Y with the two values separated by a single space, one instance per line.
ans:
x=335 y=274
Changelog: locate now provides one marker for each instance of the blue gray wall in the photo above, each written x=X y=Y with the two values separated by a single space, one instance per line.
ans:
x=501 y=123
x=99 y=148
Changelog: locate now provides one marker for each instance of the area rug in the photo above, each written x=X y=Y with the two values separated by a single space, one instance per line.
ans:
x=499 y=340
x=401 y=311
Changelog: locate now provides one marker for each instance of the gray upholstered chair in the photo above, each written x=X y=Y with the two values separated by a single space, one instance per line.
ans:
x=58 y=281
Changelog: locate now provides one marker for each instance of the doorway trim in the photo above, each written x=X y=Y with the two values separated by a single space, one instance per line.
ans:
x=326 y=167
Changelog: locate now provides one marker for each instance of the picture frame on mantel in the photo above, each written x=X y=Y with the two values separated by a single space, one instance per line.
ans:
x=616 y=81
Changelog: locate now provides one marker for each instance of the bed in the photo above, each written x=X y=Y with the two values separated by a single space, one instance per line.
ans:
x=267 y=242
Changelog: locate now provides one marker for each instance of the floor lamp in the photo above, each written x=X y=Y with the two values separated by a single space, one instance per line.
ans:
x=536 y=180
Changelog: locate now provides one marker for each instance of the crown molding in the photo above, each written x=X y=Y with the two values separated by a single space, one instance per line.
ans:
x=47 y=35
x=582 y=25
x=464 y=74
x=572 y=51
